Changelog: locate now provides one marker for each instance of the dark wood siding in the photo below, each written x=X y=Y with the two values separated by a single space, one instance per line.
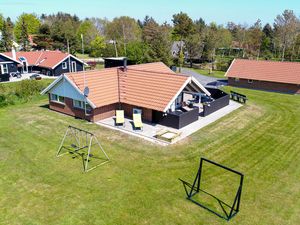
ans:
x=265 y=85
x=57 y=71
x=11 y=65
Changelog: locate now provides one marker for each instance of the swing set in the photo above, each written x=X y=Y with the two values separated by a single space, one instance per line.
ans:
x=85 y=145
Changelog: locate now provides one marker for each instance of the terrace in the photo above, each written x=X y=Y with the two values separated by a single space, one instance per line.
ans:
x=162 y=133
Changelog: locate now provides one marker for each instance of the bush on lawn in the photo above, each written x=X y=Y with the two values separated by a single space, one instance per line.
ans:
x=28 y=88
x=19 y=92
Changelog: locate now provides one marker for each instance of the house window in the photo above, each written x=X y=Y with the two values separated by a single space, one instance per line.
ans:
x=137 y=111
x=236 y=79
x=250 y=81
x=57 y=98
x=80 y=105
x=64 y=65
x=4 y=68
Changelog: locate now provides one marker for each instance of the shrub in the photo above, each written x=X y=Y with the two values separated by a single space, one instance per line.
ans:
x=28 y=88
x=18 y=92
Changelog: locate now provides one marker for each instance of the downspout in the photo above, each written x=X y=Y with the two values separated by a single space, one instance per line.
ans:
x=119 y=91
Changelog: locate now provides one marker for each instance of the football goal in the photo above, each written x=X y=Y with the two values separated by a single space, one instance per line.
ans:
x=85 y=145
x=216 y=188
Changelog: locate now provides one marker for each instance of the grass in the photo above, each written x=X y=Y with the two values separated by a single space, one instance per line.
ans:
x=215 y=73
x=140 y=185
x=82 y=56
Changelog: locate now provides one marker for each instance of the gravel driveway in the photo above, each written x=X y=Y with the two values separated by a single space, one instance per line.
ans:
x=205 y=80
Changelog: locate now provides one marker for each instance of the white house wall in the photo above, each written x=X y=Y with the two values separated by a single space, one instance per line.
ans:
x=64 y=88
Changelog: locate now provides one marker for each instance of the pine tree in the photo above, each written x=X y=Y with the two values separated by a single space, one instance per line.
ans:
x=24 y=36
x=7 y=35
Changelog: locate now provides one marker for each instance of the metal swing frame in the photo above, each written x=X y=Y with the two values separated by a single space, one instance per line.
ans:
x=84 y=139
x=195 y=189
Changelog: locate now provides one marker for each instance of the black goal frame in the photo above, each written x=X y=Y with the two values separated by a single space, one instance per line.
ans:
x=195 y=189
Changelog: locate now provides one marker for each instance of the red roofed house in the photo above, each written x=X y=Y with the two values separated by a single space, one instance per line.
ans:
x=265 y=75
x=151 y=89
x=51 y=63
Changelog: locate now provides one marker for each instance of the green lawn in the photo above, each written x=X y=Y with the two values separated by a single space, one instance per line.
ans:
x=140 y=185
x=82 y=56
x=215 y=73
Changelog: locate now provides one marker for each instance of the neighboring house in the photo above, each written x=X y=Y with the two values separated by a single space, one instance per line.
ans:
x=151 y=89
x=265 y=75
x=175 y=50
x=7 y=66
x=51 y=63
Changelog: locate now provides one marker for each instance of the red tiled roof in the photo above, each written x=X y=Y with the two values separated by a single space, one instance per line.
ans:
x=281 y=72
x=47 y=59
x=136 y=86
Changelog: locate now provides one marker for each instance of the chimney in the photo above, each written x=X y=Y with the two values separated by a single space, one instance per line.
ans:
x=125 y=64
x=13 y=53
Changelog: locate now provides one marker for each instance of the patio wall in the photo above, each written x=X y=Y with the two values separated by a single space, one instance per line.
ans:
x=177 y=120
x=221 y=100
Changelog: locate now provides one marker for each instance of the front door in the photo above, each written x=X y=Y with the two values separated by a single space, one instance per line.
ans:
x=25 y=67
x=74 y=69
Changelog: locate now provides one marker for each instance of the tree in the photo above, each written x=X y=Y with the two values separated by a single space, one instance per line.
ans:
x=63 y=29
x=193 y=46
x=97 y=46
x=2 y=21
x=183 y=25
x=100 y=25
x=7 y=35
x=43 y=39
x=267 y=42
x=254 y=38
x=32 y=22
x=286 y=26
x=24 y=35
x=123 y=29
x=158 y=41
x=238 y=33
x=184 y=28
x=150 y=29
x=137 y=52
x=211 y=42
x=89 y=32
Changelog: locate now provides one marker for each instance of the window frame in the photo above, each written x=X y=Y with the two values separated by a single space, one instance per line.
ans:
x=4 y=68
x=64 y=66
x=250 y=81
x=236 y=79
x=87 y=106
x=57 y=98
x=137 y=111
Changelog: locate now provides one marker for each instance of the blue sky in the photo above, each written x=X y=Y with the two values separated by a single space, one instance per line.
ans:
x=220 y=11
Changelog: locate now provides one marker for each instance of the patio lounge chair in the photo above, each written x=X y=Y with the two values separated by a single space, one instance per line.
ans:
x=137 y=121
x=120 y=117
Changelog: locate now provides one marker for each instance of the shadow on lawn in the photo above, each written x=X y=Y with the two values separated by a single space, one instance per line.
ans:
x=45 y=106
x=227 y=211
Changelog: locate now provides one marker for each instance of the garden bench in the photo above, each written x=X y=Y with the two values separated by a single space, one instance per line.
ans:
x=238 y=97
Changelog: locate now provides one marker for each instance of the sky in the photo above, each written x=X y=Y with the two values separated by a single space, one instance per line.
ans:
x=219 y=11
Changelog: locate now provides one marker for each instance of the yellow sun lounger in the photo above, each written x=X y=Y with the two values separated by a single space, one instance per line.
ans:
x=137 y=121
x=120 y=117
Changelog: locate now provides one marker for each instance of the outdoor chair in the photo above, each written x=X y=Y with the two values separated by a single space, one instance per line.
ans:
x=137 y=121
x=120 y=117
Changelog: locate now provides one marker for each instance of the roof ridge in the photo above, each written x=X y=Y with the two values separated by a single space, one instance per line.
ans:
x=266 y=61
x=152 y=71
